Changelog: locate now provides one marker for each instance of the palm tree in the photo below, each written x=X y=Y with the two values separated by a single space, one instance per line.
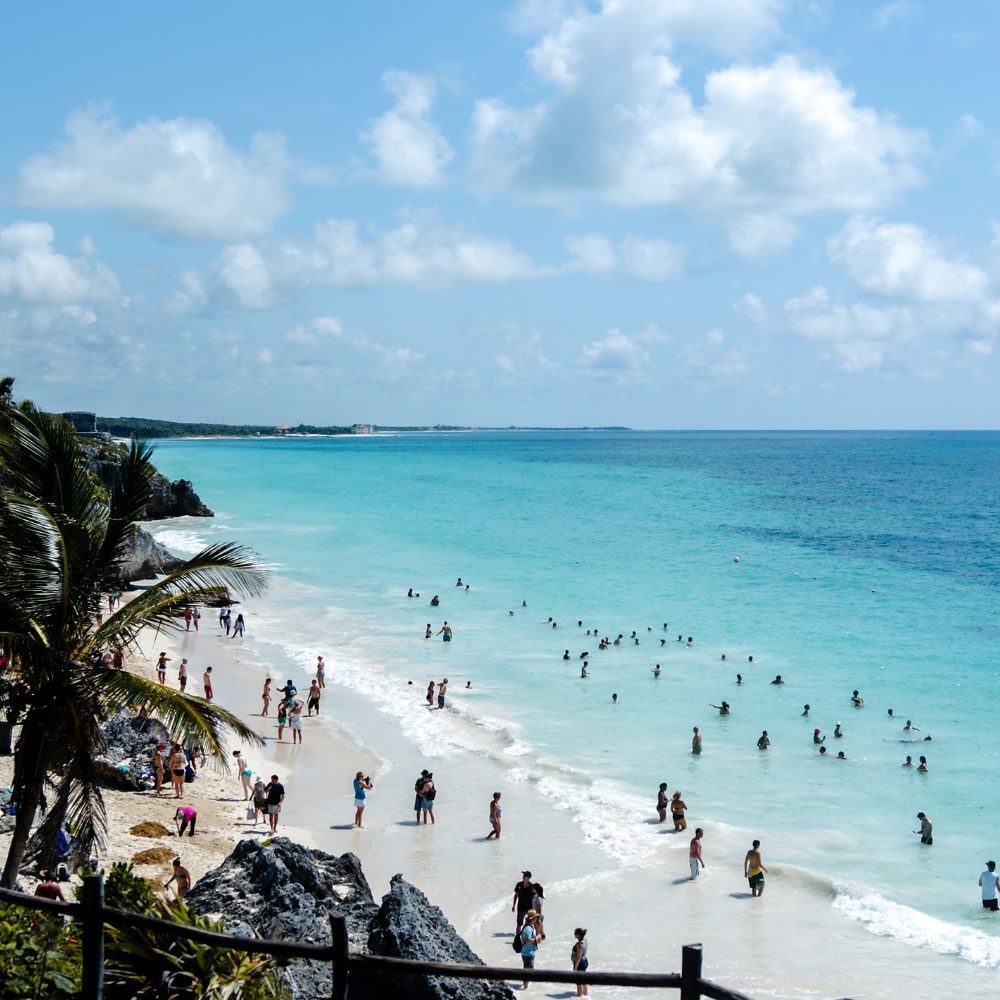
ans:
x=62 y=539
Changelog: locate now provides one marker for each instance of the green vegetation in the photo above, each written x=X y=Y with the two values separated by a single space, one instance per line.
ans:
x=143 y=427
x=61 y=542
x=39 y=957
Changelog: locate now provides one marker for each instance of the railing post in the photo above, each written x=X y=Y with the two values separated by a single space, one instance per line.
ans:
x=92 y=926
x=341 y=946
x=691 y=972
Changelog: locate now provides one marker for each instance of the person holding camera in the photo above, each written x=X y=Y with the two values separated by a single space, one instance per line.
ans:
x=362 y=784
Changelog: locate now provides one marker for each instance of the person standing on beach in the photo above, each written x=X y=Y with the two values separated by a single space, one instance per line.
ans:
x=228 y=620
x=265 y=697
x=282 y=718
x=222 y=617
x=418 y=797
x=239 y=626
x=259 y=801
x=275 y=796
x=696 y=741
x=158 y=767
x=206 y=680
x=182 y=674
x=320 y=672
x=295 y=719
x=694 y=853
x=427 y=796
x=442 y=691
x=529 y=942
x=195 y=617
x=362 y=784
x=661 y=802
x=243 y=773
x=578 y=956
x=754 y=870
x=524 y=893
x=161 y=668
x=926 y=831
x=313 y=697
x=183 y=817
x=182 y=877
x=989 y=882
x=188 y=615
x=495 y=814
x=177 y=765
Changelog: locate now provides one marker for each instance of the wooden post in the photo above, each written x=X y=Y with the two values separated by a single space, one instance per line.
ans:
x=92 y=926
x=691 y=972
x=341 y=945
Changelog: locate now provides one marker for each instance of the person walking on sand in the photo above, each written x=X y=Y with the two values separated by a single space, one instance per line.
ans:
x=661 y=802
x=495 y=814
x=696 y=741
x=442 y=691
x=578 y=956
x=989 y=882
x=158 y=767
x=362 y=784
x=259 y=800
x=427 y=796
x=926 y=831
x=265 y=697
x=694 y=853
x=244 y=774
x=239 y=626
x=177 y=765
x=182 y=877
x=275 y=791
x=188 y=615
x=754 y=870
x=677 y=809
x=206 y=680
x=320 y=672
x=313 y=698
x=161 y=668
x=182 y=675
x=195 y=617
x=295 y=719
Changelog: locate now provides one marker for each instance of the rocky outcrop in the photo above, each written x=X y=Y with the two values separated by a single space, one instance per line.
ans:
x=409 y=926
x=287 y=891
x=174 y=499
x=146 y=558
x=280 y=889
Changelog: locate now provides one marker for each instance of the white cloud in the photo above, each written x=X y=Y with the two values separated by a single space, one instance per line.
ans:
x=713 y=358
x=902 y=260
x=752 y=307
x=407 y=145
x=242 y=270
x=616 y=356
x=759 y=236
x=969 y=126
x=31 y=270
x=620 y=126
x=897 y=12
x=647 y=260
x=178 y=176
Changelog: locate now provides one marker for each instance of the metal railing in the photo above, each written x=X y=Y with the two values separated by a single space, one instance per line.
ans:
x=93 y=916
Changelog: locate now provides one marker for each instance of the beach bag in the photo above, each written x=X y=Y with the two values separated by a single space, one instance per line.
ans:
x=517 y=944
x=189 y=774
x=250 y=812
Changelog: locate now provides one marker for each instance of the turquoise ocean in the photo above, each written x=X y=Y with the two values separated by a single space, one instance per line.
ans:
x=866 y=561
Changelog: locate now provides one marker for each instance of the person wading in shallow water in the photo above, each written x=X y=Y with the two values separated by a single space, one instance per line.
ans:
x=495 y=813
x=754 y=870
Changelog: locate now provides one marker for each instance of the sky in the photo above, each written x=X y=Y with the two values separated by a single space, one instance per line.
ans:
x=652 y=213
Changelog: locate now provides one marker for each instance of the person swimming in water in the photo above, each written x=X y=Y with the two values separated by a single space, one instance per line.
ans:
x=910 y=727
x=739 y=678
x=764 y=742
x=614 y=698
x=817 y=737
x=435 y=601
x=723 y=708
x=777 y=679
x=583 y=671
x=805 y=710
x=565 y=654
x=822 y=751
x=856 y=700
x=908 y=762
x=837 y=731
x=656 y=670
x=841 y=755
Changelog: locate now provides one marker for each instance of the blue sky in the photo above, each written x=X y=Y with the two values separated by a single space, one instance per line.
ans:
x=659 y=213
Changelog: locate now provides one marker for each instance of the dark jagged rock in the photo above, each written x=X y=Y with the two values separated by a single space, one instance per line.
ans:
x=174 y=499
x=146 y=558
x=409 y=926
x=287 y=891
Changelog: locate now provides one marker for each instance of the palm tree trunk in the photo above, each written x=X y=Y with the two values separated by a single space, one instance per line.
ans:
x=29 y=777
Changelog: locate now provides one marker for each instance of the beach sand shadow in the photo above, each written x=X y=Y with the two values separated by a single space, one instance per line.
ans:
x=344 y=826
x=742 y=895
x=681 y=881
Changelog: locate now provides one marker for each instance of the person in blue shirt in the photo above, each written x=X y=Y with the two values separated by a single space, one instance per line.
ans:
x=361 y=785
x=529 y=942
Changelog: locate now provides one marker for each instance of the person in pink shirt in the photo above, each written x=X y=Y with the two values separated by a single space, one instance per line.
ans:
x=185 y=816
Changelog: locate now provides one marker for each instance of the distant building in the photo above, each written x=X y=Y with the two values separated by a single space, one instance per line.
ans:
x=362 y=428
x=82 y=421
x=282 y=429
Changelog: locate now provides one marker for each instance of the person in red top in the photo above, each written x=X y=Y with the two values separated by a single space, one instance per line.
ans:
x=48 y=889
